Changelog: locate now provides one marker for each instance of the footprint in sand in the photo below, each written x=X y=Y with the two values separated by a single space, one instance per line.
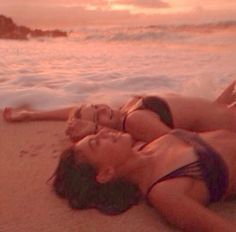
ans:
x=34 y=154
x=23 y=152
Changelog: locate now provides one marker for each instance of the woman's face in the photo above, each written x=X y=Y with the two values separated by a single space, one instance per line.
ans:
x=100 y=114
x=106 y=148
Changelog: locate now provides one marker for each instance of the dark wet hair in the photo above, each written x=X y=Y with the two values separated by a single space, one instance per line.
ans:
x=77 y=183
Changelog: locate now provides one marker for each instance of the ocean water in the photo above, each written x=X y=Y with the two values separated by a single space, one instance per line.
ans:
x=111 y=64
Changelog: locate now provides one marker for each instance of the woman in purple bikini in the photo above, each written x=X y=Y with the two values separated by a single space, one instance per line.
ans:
x=179 y=174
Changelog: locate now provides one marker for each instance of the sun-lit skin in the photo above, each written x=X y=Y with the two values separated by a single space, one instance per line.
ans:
x=112 y=153
x=105 y=149
x=101 y=114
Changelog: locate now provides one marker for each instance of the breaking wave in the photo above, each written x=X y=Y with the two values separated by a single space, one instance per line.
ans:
x=153 y=32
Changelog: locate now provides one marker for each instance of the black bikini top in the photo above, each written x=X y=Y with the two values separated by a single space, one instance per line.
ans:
x=158 y=106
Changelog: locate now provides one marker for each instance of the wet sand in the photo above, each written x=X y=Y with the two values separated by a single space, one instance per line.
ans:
x=29 y=154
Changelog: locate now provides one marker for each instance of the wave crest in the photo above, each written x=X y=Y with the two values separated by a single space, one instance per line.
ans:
x=152 y=32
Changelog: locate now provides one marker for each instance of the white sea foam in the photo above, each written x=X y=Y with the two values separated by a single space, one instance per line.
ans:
x=108 y=65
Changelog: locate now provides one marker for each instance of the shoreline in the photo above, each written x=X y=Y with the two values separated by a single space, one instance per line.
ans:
x=29 y=154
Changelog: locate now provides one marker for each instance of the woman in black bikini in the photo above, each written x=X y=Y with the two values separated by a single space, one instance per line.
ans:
x=179 y=174
x=145 y=118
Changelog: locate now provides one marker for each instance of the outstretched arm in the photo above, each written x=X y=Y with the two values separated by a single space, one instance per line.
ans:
x=185 y=213
x=11 y=115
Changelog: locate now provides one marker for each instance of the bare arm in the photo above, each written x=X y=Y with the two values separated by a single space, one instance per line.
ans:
x=185 y=213
x=145 y=125
x=12 y=115
x=130 y=103
x=58 y=114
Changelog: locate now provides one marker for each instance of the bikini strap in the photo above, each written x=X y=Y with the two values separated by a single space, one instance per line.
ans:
x=155 y=104
x=192 y=170
x=214 y=170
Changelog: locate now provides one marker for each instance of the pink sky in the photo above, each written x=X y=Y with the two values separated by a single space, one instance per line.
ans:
x=73 y=13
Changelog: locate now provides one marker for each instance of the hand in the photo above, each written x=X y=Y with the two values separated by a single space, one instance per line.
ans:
x=78 y=129
x=11 y=115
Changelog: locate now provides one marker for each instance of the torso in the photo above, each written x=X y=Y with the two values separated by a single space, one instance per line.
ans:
x=194 y=114
x=154 y=104
x=173 y=153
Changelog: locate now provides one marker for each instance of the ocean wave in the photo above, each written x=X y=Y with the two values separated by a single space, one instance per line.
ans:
x=204 y=27
x=63 y=72
x=166 y=33
x=125 y=35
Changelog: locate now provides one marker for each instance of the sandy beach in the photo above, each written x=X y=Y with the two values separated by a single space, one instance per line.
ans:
x=29 y=154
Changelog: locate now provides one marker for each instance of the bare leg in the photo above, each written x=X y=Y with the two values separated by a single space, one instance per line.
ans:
x=11 y=115
x=228 y=96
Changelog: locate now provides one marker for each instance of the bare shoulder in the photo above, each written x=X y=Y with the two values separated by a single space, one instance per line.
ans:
x=130 y=103
x=144 y=119
x=145 y=125
x=140 y=120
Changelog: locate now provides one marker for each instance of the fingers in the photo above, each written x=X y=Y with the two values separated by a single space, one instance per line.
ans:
x=15 y=116
x=76 y=135
x=73 y=129
x=78 y=129
x=71 y=124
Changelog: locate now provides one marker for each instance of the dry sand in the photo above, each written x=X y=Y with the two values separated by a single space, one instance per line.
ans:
x=29 y=154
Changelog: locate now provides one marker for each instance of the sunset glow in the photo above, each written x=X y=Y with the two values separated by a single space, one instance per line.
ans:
x=71 y=13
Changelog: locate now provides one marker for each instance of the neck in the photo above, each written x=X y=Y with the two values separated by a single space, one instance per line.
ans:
x=137 y=169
